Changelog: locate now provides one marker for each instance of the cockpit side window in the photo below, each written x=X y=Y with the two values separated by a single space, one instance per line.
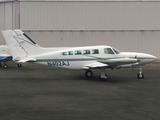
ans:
x=116 y=51
x=108 y=51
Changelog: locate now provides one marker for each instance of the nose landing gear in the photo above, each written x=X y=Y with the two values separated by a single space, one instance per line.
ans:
x=140 y=75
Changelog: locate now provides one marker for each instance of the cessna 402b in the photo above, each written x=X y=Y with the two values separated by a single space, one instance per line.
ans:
x=24 y=49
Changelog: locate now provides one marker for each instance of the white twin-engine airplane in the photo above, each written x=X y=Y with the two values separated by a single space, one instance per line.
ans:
x=24 y=49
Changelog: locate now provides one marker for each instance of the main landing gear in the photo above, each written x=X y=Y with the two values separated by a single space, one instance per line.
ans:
x=102 y=76
x=140 y=75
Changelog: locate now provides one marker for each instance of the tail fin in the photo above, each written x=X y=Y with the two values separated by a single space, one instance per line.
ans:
x=20 y=45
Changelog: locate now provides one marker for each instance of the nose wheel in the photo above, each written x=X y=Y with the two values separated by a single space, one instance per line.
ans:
x=140 y=75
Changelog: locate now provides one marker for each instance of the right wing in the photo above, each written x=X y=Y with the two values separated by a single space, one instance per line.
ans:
x=111 y=63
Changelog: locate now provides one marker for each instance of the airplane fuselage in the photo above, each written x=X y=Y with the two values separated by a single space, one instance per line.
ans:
x=78 y=57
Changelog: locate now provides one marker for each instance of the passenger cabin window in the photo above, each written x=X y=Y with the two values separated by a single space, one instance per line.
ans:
x=70 y=52
x=95 y=51
x=64 y=53
x=108 y=51
x=86 y=52
x=77 y=52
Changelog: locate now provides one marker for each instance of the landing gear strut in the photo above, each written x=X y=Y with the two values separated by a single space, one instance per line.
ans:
x=103 y=76
x=140 y=74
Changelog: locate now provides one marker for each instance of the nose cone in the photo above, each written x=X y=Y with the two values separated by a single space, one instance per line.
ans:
x=150 y=58
x=153 y=57
x=145 y=58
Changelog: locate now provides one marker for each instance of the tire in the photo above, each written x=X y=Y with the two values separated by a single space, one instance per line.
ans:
x=89 y=73
x=140 y=76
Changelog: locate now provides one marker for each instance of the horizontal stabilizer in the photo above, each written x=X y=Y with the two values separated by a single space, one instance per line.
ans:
x=26 y=60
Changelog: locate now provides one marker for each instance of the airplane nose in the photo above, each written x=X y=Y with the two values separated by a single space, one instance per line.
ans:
x=153 y=57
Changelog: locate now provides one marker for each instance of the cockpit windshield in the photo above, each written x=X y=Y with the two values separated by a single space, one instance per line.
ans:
x=116 y=51
x=108 y=51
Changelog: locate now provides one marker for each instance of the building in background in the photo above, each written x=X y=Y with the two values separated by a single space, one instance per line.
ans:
x=129 y=25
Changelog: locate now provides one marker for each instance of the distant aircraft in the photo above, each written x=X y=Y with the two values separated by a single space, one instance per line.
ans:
x=5 y=56
x=24 y=49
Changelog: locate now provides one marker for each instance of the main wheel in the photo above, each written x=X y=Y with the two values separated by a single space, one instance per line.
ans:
x=89 y=73
x=140 y=75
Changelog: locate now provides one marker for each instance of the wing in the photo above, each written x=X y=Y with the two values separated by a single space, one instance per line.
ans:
x=111 y=63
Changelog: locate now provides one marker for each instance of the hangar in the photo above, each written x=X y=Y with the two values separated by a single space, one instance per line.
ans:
x=128 y=25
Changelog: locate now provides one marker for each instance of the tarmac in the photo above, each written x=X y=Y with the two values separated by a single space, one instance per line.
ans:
x=37 y=92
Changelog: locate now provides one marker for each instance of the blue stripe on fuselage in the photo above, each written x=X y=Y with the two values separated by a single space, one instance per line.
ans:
x=5 y=57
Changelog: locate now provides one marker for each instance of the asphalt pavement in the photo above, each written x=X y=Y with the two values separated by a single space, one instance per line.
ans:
x=37 y=92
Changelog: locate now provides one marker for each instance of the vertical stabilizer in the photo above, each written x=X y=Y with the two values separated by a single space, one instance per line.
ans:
x=20 y=45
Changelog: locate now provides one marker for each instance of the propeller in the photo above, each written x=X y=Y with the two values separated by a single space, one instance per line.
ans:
x=135 y=57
